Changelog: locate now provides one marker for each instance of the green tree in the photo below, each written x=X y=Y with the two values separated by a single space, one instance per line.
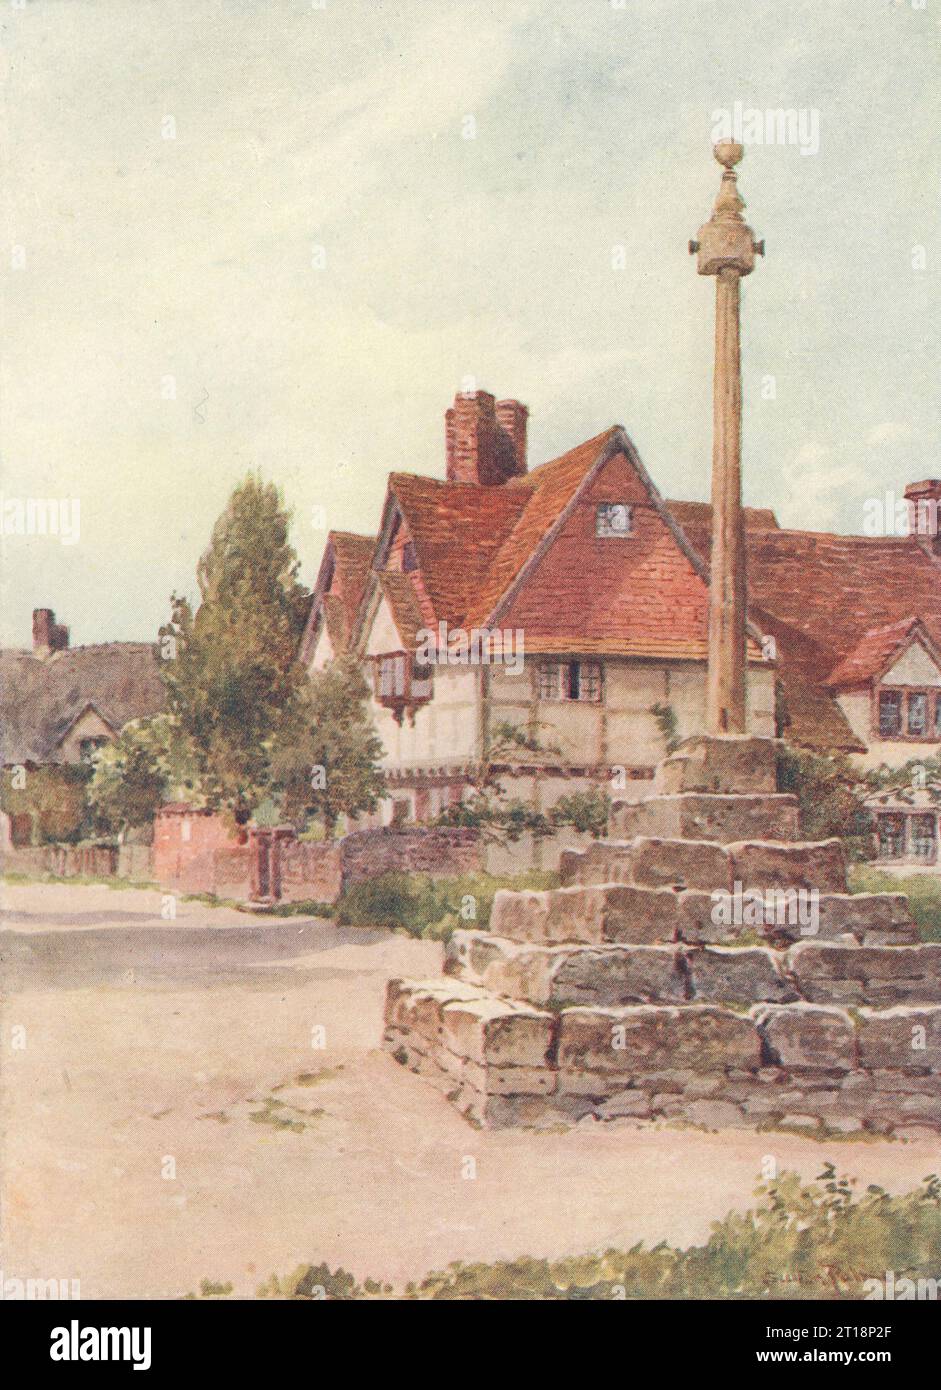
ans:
x=231 y=672
x=53 y=796
x=324 y=759
x=149 y=763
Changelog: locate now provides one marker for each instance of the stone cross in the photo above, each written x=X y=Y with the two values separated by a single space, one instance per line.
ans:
x=726 y=248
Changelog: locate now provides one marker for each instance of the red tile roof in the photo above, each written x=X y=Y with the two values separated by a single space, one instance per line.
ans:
x=872 y=654
x=525 y=554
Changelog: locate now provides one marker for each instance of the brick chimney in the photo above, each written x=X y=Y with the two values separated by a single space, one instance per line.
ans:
x=924 y=512
x=48 y=635
x=486 y=439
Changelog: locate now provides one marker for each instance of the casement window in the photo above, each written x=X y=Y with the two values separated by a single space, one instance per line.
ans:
x=922 y=837
x=401 y=679
x=890 y=713
x=391 y=672
x=917 y=713
x=613 y=519
x=570 y=680
x=910 y=714
x=891 y=835
x=421 y=680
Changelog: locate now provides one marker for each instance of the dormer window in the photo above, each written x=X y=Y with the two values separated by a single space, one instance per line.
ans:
x=910 y=714
x=613 y=519
x=409 y=557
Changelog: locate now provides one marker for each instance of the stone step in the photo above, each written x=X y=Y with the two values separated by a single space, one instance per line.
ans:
x=627 y=913
x=653 y=862
x=599 y=1048
x=559 y=977
x=720 y=763
x=881 y=976
x=700 y=816
x=565 y=976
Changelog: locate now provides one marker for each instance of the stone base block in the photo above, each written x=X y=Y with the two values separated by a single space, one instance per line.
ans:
x=650 y=1037
x=720 y=763
x=830 y=973
x=806 y=1036
x=697 y=816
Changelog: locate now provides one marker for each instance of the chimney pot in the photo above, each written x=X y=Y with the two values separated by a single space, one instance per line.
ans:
x=924 y=512
x=486 y=442
x=48 y=635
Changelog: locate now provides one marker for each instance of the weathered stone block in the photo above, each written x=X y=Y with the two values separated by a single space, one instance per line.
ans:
x=498 y=1032
x=415 y=1005
x=872 y=918
x=604 y=861
x=827 y=972
x=651 y=1037
x=561 y=914
x=806 y=1035
x=763 y=864
x=680 y=864
x=700 y=816
x=744 y=975
x=612 y=912
x=616 y=975
x=720 y=763
x=905 y=1036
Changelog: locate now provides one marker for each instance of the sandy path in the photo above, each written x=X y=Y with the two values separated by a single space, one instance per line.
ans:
x=150 y=1041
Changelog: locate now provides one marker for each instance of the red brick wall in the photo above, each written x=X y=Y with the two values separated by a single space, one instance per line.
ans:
x=212 y=860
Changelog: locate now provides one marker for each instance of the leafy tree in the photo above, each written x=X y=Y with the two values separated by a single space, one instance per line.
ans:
x=53 y=796
x=149 y=763
x=232 y=674
x=324 y=759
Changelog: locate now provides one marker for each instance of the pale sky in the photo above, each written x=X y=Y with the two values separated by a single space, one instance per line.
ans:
x=136 y=258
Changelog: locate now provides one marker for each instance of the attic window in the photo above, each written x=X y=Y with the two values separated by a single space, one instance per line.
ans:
x=409 y=557
x=88 y=747
x=612 y=519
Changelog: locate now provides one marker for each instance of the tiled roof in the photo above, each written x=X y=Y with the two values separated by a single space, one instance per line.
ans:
x=353 y=557
x=482 y=557
x=41 y=699
x=871 y=654
x=458 y=530
x=403 y=602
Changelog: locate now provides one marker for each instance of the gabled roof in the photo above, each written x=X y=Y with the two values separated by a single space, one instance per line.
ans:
x=513 y=554
x=877 y=650
x=40 y=699
x=338 y=593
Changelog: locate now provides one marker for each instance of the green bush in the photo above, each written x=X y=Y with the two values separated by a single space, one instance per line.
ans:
x=814 y=1240
x=830 y=796
x=923 y=892
x=429 y=907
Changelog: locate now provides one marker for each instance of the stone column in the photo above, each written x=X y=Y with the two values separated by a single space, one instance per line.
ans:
x=726 y=248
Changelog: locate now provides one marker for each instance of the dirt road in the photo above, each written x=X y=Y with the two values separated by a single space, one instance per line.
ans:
x=206 y=1098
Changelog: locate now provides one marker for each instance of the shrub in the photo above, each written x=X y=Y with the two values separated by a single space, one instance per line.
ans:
x=830 y=797
x=814 y=1240
x=429 y=907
